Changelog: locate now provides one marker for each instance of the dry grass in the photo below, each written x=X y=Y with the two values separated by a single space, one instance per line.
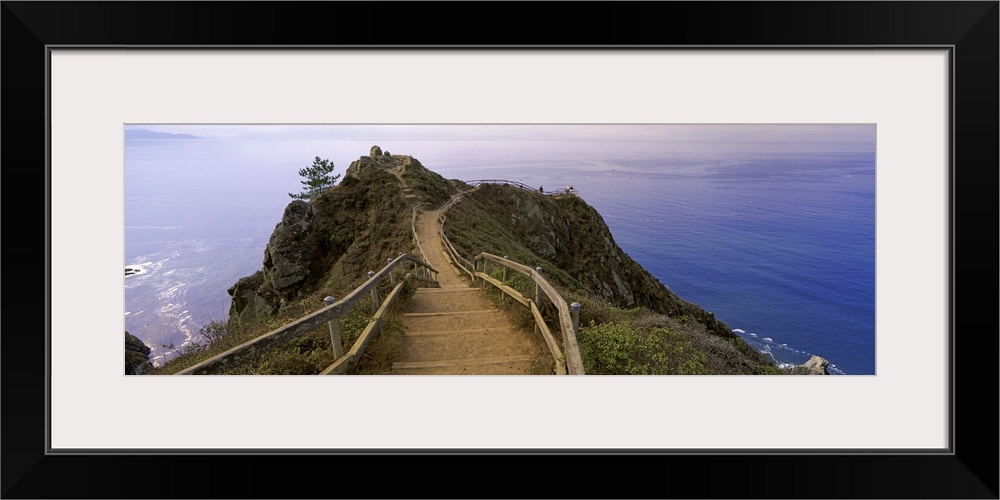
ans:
x=310 y=353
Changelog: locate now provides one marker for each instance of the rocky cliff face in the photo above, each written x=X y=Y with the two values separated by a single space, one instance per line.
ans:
x=336 y=238
x=573 y=240
x=326 y=246
x=136 y=356
x=815 y=366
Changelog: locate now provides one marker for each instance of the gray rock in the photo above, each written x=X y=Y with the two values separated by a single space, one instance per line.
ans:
x=252 y=299
x=356 y=167
x=375 y=152
x=288 y=256
x=136 y=356
x=815 y=366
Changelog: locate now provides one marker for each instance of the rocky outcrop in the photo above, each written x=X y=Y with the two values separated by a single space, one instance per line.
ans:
x=253 y=298
x=290 y=259
x=136 y=356
x=338 y=236
x=571 y=236
x=359 y=166
x=815 y=366
x=287 y=257
x=326 y=246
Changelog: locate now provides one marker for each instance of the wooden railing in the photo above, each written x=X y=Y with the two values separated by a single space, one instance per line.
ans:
x=329 y=314
x=456 y=259
x=423 y=257
x=569 y=317
x=521 y=185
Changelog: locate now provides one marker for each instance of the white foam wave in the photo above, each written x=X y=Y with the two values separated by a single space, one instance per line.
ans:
x=832 y=368
x=737 y=330
x=144 y=269
x=170 y=292
x=768 y=346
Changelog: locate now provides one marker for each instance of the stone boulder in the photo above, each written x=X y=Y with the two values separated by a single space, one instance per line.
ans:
x=375 y=152
x=288 y=255
x=289 y=259
x=253 y=299
x=355 y=169
x=136 y=356
x=815 y=366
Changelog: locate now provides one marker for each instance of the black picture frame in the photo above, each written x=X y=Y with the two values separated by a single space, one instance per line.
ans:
x=969 y=28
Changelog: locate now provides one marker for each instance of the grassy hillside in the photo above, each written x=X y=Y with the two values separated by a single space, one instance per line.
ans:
x=630 y=322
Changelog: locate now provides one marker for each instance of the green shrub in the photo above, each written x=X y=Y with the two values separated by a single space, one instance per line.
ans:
x=515 y=280
x=621 y=349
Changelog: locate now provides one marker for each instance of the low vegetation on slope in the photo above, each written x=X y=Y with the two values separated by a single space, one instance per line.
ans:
x=324 y=246
x=630 y=322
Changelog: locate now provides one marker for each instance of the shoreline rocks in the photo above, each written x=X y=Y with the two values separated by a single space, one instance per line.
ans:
x=815 y=366
x=136 y=356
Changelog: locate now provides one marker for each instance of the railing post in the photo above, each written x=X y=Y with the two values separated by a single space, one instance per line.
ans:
x=375 y=300
x=538 y=290
x=374 y=293
x=538 y=295
x=574 y=312
x=338 y=348
x=503 y=296
x=392 y=277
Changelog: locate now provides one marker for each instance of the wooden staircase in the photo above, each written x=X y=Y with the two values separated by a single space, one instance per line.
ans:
x=455 y=330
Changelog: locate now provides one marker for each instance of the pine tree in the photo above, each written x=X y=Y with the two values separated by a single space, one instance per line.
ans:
x=317 y=179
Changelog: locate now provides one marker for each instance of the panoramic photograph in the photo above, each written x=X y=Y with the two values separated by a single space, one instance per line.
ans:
x=556 y=249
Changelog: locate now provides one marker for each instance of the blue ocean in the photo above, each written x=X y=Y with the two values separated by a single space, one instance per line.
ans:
x=776 y=238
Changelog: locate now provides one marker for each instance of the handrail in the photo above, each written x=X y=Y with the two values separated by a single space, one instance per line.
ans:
x=413 y=226
x=449 y=249
x=567 y=323
x=345 y=362
x=574 y=362
x=517 y=184
x=219 y=363
x=453 y=255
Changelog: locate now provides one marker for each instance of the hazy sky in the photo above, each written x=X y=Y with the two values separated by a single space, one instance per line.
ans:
x=861 y=134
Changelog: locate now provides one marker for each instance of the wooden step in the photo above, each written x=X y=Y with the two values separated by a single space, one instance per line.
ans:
x=451 y=289
x=447 y=346
x=449 y=313
x=441 y=322
x=457 y=363
x=498 y=331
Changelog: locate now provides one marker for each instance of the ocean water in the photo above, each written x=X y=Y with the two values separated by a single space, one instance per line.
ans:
x=777 y=239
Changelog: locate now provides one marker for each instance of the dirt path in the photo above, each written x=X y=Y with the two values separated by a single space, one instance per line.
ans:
x=455 y=329
x=428 y=232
